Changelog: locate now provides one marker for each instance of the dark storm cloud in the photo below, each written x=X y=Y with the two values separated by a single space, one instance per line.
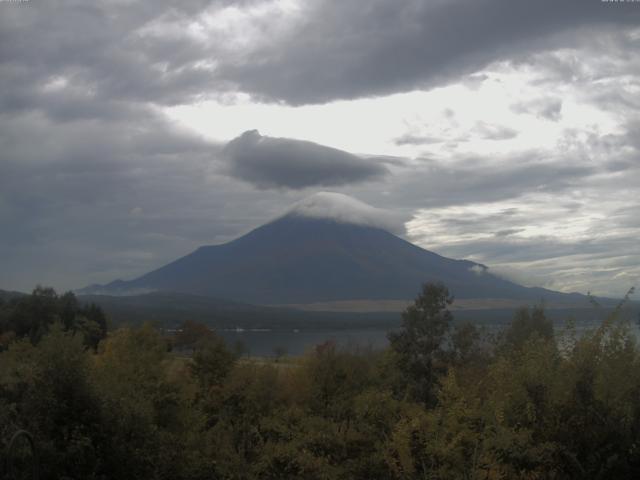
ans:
x=100 y=49
x=67 y=191
x=85 y=201
x=94 y=182
x=141 y=51
x=345 y=50
x=268 y=162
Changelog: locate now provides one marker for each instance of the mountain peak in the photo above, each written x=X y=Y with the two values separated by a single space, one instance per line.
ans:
x=323 y=249
x=342 y=208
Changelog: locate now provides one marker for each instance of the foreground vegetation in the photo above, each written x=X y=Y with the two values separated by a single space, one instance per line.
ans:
x=439 y=403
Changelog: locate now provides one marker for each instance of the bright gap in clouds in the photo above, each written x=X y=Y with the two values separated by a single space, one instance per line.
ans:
x=485 y=114
x=537 y=241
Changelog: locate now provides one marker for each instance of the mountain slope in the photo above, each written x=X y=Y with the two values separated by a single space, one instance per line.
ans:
x=302 y=259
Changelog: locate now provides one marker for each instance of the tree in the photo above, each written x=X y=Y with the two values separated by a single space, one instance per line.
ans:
x=32 y=316
x=190 y=334
x=47 y=390
x=212 y=361
x=418 y=346
x=92 y=322
x=527 y=323
x=147 y=410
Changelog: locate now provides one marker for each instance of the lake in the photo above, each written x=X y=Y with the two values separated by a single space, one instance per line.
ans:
x=264 y=342
x=296 y=341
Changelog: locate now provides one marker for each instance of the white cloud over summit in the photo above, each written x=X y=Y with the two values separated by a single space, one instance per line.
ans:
x=346 y=209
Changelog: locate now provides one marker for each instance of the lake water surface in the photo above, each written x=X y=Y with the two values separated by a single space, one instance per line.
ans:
x=265 y=342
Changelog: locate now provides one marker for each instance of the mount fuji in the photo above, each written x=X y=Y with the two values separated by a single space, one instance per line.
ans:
x=327 y=248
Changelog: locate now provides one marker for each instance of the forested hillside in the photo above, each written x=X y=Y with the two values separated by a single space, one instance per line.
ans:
x=441 y=402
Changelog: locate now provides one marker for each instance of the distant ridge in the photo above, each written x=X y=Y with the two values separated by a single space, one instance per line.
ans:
x=9 y=294
x=328 y=248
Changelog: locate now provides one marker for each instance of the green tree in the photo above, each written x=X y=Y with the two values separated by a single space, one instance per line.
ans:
x=47 y=390
x=418 y=346
x=236 y=413
x=91 y=321
x=147 y=400
x=32 y=316
x=212 y=361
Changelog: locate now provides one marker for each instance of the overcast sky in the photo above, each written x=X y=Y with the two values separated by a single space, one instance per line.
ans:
x=505 y=132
